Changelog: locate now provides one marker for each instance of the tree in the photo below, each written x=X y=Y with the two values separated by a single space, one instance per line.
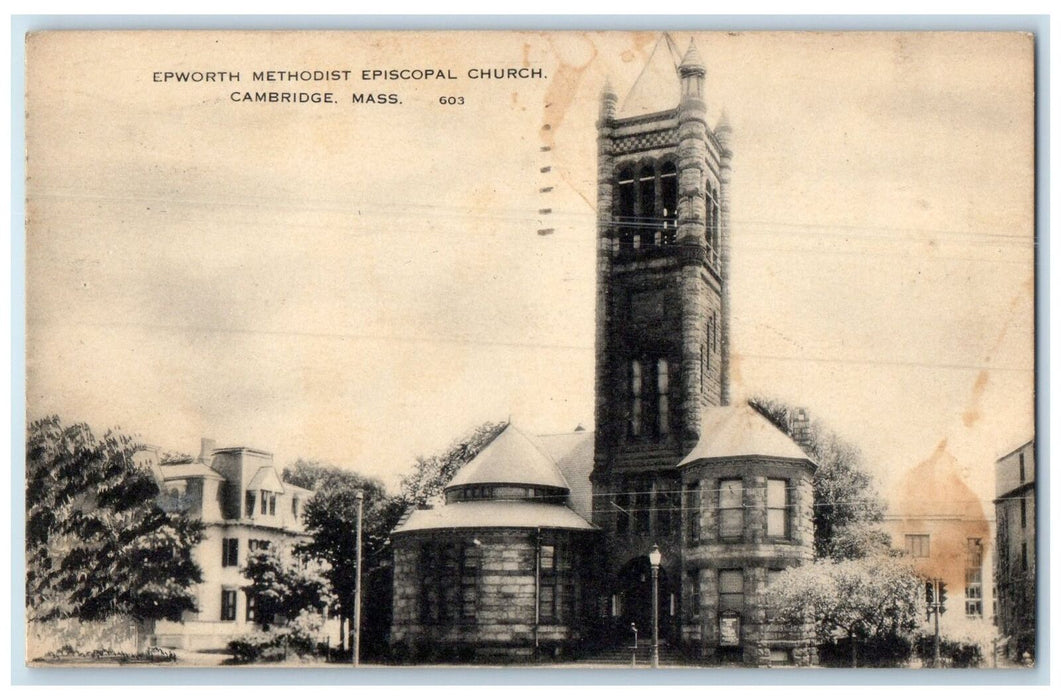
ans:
x=846 y=504
x=431 y=474
x=282 y=589
x=872 y=601
x=97 y=545
x=330 y=517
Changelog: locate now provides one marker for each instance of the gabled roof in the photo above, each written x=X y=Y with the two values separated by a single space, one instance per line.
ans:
x=266 y=480
x=741 y=431
x=658 y=88
x=511 y=458
x=481 y=514
x=573 y=454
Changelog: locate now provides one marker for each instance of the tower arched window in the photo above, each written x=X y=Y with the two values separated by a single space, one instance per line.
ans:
x=663 y=402
x=627 y=201
x=646 y=200
x=635 y=398
x=668 y=185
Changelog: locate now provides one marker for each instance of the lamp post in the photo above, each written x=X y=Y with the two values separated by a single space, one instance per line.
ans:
x=654 y=558
x=360 y=497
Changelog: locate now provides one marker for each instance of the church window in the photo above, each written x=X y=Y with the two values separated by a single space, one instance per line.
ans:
x=635 y=398
x=668 y=507
x=692 y=584
x=547 y=602
x=777 y=508
x=731 y=590
x=730 y=508
x=547 y=557
x=668 y=183
x=692 y=512
x=663 y=405
x=469 y=581
x=429 y=577
x=646 y=190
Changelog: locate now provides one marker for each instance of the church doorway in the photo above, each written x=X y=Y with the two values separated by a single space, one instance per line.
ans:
x=632 y=601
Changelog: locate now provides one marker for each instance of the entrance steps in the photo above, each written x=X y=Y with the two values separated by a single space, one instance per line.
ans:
x=642 y=658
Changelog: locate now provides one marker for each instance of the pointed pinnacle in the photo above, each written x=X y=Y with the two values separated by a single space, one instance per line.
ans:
x=692 y=57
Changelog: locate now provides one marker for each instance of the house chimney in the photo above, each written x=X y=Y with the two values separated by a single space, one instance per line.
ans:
x=206 y=450
x=800 y=425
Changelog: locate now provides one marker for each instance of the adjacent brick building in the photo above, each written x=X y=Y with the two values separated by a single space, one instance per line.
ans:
x=1015 y=511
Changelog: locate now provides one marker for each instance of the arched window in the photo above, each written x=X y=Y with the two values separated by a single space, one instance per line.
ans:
x=646 y=192
x=627 y=201
x=668 y=185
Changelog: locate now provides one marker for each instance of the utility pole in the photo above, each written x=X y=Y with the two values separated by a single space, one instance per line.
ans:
x=360 y=496
x=935 y=639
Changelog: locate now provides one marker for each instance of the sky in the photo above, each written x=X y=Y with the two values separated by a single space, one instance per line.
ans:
x=361 y=284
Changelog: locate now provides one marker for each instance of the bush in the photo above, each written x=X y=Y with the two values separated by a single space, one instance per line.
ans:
x=954 y=652
x=250 y=647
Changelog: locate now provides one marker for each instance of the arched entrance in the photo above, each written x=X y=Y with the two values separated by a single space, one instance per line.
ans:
x=632 y=601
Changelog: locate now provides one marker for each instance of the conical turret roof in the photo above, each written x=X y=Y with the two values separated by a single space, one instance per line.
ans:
x=658 y=88
x=728 y=432
x=511 y=458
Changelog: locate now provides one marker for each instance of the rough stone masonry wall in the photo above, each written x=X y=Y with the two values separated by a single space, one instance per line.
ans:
x=505 y=592
x=754 y=553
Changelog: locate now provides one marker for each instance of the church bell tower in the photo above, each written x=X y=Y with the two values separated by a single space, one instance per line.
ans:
x=662 y=313
x=662 y=259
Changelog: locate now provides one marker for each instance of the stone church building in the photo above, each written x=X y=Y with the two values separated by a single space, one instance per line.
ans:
x=541 y=546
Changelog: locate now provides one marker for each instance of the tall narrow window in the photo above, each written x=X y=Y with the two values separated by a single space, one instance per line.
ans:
x=1021 y=458
x=646 y=191
x=662 y=404
x=469 y=581
x=230 y=551
x=429 y=577
x=668 y=184
x=228 y=604
x=668 y=506
x=1023 y=556
x=974 y=591
x=252 y=607
x=1023 y=512
x=248 y=506
x=730 y=508
x=692 y=584
x=731 y=590
x=547 y=602
x=627 y=196
x=777 y=507
x=635 y=398
x=692 y=513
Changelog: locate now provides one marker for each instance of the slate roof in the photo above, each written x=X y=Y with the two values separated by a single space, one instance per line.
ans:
x=573 y=454
x=484 y=514
x=741 y=431
x=658 y=88
x=511 y=458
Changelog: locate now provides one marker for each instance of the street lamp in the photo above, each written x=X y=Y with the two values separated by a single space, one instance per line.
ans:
x=654 y=558
x=360 y=497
